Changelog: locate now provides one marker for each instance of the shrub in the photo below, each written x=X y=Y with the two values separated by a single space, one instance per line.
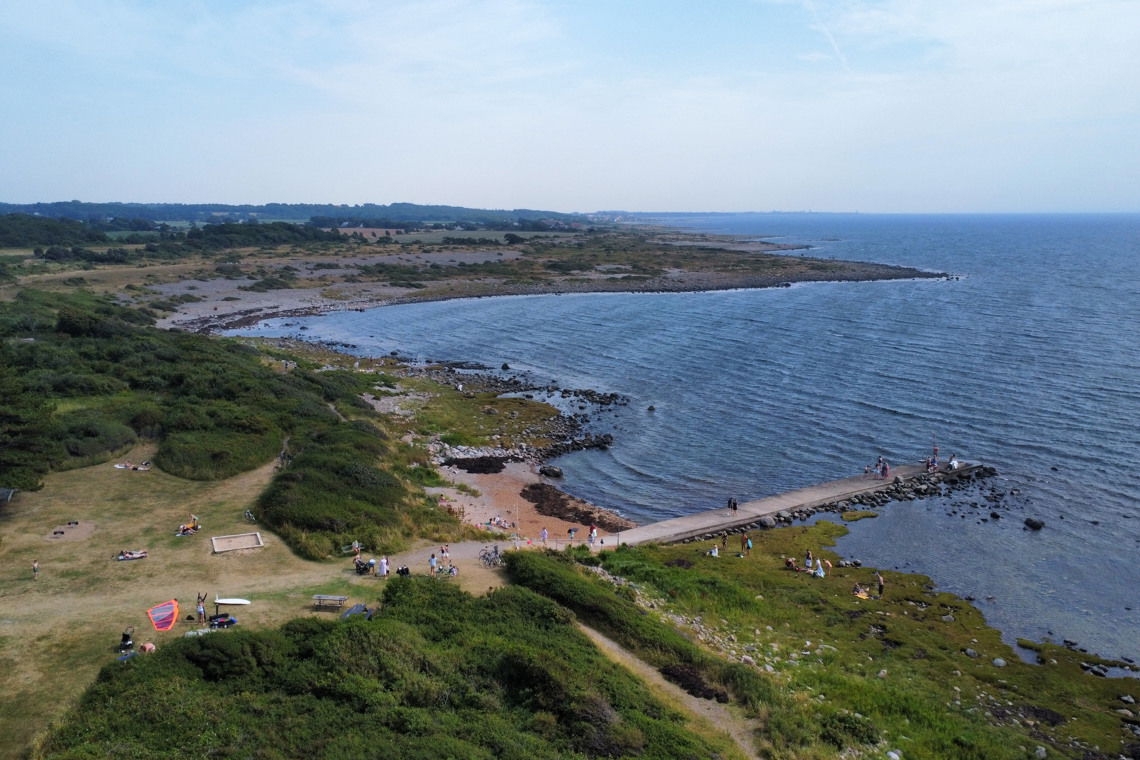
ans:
x=86 y=435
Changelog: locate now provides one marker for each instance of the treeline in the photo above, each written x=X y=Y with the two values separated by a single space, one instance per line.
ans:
x=378 y=215
x=215 y=409
x=24 y=230
x=65 y=240
x=229 y=235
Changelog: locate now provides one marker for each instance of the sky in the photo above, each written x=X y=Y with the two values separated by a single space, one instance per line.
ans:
x=906 y=106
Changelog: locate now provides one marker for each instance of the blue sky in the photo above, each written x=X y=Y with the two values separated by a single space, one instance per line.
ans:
x=577 y=105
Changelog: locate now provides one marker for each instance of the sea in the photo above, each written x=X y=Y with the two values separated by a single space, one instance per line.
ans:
x=1026 y=358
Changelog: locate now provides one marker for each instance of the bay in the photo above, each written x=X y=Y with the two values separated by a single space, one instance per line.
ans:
x=1027 y=359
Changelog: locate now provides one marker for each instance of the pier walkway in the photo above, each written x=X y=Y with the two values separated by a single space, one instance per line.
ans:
x=715 y=520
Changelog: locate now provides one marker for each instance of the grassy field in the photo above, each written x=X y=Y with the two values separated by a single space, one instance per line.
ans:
x=58 y=631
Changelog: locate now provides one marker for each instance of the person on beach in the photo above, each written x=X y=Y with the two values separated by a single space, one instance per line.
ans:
x=886 y=469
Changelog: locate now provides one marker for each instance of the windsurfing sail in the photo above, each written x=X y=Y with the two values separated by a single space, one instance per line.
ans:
x=163 y=616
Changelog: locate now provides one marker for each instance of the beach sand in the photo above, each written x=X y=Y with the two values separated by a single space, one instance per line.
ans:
x=499 y=500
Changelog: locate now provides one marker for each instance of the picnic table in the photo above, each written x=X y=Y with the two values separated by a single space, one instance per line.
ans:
x=328 y=600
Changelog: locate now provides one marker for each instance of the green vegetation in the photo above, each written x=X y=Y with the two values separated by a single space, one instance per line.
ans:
x=84 y=378
x=25 y=230
x=827 y=670
x=436 y=673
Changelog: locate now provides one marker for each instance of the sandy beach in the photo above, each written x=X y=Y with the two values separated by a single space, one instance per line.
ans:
x=499 y=506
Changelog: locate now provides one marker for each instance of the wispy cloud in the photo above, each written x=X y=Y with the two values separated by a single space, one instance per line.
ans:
x=826 y=32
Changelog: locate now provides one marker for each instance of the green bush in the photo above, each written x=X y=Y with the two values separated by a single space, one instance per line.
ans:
x=435 y=673
x=85 y=435
x=212 y=455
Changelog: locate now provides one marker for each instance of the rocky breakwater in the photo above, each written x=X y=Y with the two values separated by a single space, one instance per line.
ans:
x=551 y=502
x=922 y=486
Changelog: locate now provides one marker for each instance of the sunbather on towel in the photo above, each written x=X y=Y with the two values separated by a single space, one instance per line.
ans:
x=127 y=554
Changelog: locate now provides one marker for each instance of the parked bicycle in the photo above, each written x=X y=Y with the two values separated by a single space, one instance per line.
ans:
x=490 y=556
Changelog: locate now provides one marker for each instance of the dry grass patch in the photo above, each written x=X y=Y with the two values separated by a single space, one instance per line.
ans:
x=57 y=631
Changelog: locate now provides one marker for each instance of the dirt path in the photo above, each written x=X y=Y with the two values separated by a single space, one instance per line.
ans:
x=58 y=630
x=721 y=717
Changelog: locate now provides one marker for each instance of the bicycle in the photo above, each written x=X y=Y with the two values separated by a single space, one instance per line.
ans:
x=490 y=556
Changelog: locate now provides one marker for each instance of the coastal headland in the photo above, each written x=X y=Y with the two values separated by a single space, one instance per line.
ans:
x=366 y=276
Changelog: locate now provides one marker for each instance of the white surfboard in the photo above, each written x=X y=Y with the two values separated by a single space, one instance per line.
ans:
x=231 y=601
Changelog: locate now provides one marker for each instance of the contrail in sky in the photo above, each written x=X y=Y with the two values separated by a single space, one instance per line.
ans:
x=810 y=5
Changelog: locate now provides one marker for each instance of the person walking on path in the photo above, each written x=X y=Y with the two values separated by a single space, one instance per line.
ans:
x=35 y=569
x=543 y=535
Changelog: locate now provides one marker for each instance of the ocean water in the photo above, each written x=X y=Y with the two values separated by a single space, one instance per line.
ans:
x=1027 y=359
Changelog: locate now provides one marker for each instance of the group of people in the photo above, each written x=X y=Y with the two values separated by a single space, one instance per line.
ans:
x=371 y=567
x=441 y=565
x=745 y=546
x=881 y=468
x=190 y=528
x=817 y=567
x=864 y=592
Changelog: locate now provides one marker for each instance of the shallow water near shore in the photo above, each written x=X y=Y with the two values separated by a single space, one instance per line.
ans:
x=1029 y=361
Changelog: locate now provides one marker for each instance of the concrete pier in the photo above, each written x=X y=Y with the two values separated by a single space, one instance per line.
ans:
x=721 y=519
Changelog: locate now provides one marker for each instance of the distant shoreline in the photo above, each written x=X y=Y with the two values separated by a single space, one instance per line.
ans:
x=222 y=305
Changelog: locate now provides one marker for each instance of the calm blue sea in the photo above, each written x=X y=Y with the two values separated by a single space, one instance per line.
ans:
x=1028 y=360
